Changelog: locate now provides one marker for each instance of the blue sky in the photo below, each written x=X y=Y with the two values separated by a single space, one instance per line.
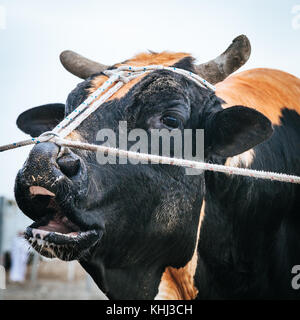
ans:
x=111 y=31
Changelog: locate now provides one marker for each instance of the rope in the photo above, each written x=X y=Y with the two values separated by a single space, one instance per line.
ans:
x=180 y=162
x=117 y=78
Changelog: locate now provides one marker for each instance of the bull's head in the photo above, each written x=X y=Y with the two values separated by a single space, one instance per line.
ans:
x=126 y=223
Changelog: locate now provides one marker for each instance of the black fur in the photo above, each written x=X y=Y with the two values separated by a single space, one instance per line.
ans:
x=149 y=213
x=255 y=224
x=37 y=120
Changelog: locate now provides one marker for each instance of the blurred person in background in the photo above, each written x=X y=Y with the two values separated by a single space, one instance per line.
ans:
x=19 y=258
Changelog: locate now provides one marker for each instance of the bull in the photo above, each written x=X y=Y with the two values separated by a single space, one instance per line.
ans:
x=150 y=231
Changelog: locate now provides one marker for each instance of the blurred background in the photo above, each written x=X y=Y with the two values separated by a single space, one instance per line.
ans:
x=32 y=35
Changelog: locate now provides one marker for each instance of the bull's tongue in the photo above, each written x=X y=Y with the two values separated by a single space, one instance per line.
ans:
x=60 y=224
x=54 y=226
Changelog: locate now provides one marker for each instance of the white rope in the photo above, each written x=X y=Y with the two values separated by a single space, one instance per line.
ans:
x=179 y=162
x=117 y=78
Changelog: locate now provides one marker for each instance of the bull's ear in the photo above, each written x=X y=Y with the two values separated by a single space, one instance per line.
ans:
x=235 y=130
x=40 y=119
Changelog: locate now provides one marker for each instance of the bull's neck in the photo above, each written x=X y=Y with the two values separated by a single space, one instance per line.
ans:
x=179 y=284
x=134 y=283
x=243 y=221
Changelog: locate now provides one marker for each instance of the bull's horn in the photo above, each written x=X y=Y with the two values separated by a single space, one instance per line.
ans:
x=79 y=65
x=233 y=58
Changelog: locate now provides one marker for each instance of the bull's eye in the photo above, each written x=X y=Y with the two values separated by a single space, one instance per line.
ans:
x=171 y=122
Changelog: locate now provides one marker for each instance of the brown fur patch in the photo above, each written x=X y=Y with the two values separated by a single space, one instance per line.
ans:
x=142 y=59
x=266 y=90
x=74 y=135
x=178 y=284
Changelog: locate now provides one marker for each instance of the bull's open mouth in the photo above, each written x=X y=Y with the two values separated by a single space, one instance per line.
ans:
x=55 y=235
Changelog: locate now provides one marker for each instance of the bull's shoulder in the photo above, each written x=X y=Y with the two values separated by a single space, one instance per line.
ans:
x=266 y=90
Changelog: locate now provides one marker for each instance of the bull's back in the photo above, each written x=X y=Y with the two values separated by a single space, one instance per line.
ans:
x=266 y=90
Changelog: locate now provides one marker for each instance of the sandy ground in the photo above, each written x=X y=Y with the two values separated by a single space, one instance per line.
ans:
x=52 y=283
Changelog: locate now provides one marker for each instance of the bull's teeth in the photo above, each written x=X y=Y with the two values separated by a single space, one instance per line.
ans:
x=60 y=234
x=73 y=235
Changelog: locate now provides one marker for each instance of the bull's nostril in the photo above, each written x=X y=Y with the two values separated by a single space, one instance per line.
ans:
x=68 y=165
